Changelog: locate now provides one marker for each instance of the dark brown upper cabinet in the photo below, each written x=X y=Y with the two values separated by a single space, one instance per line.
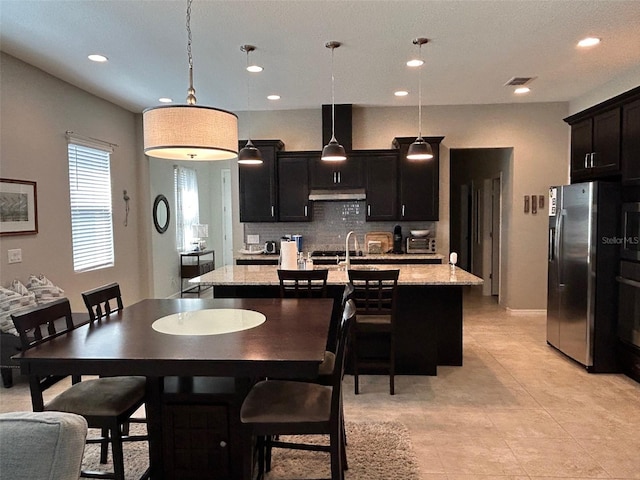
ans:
x=605 y=140
x=293 y=186
x=630 y=157
x=381 y=183
x=419 y=181
x=258 y=186
x=336 y=175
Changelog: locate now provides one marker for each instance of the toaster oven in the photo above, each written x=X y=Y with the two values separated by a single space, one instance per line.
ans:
x=420 y=244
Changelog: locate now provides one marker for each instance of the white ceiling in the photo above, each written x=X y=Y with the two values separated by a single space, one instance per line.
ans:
x=475 y=47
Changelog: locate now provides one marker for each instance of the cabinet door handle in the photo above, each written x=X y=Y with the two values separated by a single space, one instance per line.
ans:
x=335 y=177
x=593 y=158
x=223 y=443
x=273 y=211
x=403 y=210
x=339 y=177
x=368 y=210
x=586 y=160
x=305 y=210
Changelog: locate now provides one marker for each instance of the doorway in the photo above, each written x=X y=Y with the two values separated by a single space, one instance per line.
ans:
x=227 y=222
x=476 y=191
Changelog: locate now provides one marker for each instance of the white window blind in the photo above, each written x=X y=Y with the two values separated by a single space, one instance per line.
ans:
x=91 y=212
x=187 y=206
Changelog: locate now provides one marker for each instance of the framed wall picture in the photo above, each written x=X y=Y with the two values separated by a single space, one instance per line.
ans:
x=18 y=207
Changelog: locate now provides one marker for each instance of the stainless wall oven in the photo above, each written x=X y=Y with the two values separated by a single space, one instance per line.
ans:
x=630 y=241
x=629 y=304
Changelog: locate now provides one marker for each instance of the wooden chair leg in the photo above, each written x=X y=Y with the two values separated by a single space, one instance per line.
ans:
x=335 y=439
x=104 y=445
x=354 y=357
x=392 y=366
x=7 y=377
x=117 y=453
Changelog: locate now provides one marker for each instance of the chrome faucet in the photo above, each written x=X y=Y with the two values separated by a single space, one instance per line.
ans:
x=347 y=260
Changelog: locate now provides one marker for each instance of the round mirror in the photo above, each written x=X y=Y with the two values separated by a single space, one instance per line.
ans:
x=161 y=213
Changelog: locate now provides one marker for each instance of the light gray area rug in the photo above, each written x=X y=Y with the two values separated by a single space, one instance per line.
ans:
x=375 y=451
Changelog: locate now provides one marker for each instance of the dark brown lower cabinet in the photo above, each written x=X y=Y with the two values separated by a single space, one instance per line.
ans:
x=201 y=432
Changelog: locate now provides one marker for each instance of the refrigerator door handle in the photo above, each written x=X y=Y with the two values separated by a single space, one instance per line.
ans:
x=552 y=244
x=559 y=240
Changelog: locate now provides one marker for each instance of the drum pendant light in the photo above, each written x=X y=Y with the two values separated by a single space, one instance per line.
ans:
x=190 y=132
x=249 y=155
x=420 y=150
x=333 y=151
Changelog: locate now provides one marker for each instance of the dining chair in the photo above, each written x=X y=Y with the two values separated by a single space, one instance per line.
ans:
x=303 y=283
x=375 y=293
x=286 y=407
x=101 y=302
x=105 y=403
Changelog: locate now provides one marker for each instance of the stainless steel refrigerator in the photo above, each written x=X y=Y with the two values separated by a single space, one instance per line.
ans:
x=584 y=229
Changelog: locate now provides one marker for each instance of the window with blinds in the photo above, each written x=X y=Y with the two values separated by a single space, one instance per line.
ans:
x=185 y=181
x=91 y=213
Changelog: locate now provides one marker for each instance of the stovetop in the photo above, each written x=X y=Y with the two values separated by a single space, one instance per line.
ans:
x=335 y=253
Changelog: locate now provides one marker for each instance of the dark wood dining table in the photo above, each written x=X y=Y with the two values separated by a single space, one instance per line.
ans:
x=289 y=344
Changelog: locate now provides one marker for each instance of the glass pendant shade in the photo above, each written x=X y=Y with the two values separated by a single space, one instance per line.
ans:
x=333 y=151
x=250 y=155
x=420 y=150
x=190 y=132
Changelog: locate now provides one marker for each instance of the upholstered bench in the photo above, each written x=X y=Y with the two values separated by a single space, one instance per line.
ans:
x=38 y=445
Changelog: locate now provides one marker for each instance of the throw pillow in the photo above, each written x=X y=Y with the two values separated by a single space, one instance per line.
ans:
x=10 y=303
x=18 y=287
x=44 y=290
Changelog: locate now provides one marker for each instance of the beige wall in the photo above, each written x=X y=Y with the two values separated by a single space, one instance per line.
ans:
x=36 y=110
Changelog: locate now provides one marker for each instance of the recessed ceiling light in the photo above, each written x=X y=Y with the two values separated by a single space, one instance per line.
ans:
x=415 y=63
x=165 y=100
x=254 y=68
x=98 y=58
x=273 y=97
x=521 y=90
x=589 y=42
x=401 y=93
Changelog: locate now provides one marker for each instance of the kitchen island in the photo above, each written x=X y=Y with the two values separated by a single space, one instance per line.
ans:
x=429 y=320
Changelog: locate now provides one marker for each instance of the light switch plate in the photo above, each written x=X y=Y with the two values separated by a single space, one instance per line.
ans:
x=15 y=255
x=253 y=239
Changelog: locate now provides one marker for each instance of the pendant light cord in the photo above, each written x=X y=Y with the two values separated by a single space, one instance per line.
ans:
x=248 y=98
x=333 y=100
x=420 y=93
x=191 y=93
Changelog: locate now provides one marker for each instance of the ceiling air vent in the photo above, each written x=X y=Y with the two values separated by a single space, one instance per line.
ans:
x=518 y=81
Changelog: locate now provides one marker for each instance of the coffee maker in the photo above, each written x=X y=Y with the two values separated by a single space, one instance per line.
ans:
x=397 y=239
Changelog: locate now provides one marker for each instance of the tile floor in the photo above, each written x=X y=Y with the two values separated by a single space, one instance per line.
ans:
x=516 y=410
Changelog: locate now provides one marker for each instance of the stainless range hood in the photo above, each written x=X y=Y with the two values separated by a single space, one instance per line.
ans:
x=337 y=195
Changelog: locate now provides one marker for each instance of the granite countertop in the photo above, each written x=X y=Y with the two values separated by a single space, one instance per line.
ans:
x=381 y=256
x=432 y=274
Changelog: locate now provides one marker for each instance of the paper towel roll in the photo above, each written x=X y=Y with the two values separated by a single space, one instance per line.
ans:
x=288 y=256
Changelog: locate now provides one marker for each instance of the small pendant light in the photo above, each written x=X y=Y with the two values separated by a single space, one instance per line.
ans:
x=420 y=150
x=333 y=151
x=249 y=155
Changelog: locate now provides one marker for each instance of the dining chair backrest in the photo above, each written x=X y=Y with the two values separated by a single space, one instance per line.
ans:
x=103 y=301
x=37 y=326
x=347 y=293
x=344 y=329
x=375 y=291
x=303 y=283
x=41 y=323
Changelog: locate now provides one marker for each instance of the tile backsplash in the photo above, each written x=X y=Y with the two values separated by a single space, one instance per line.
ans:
x=330 y=224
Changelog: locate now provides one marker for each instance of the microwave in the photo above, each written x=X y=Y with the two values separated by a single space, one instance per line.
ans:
x=630 y=241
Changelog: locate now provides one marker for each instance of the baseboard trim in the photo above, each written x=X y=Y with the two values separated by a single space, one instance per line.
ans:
x=519 y=312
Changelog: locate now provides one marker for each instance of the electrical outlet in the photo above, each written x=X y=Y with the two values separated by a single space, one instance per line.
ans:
x=253 y=239
x=15 y=255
